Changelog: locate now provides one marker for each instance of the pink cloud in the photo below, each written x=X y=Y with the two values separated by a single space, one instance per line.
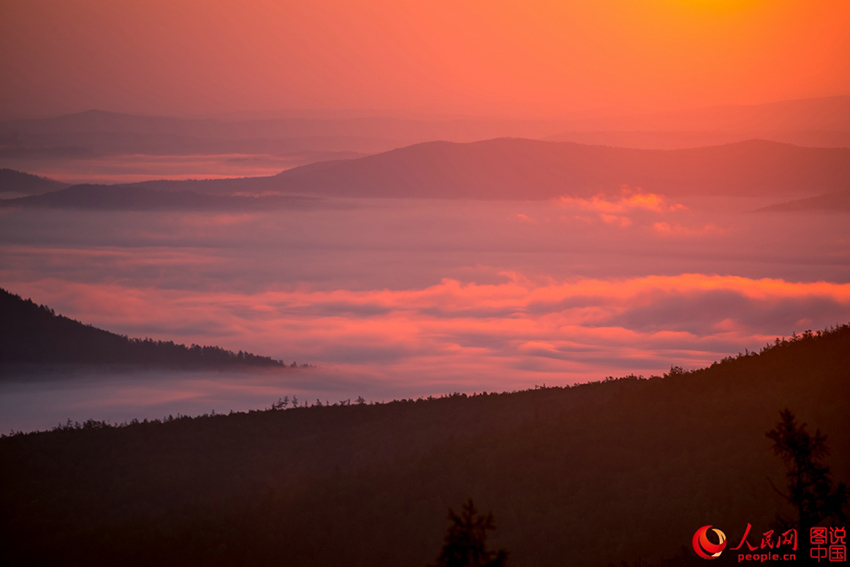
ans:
x=525 y=218
x=507 y=332
x=623 y=221
x=628 y=200
x=617 y=210
x=666 y=229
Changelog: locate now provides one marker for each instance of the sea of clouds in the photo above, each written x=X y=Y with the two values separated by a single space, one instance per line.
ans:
x=403 y=298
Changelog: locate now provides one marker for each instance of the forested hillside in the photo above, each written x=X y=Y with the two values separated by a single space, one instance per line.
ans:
x=34 y=335
x=12 y=181
x=619 y=470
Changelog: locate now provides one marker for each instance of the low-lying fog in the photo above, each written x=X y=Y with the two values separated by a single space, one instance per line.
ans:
x=133 y=168
x=30 y=402
x=406 y=298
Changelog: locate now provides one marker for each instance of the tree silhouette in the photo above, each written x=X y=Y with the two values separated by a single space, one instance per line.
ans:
x=465 y=541
x=809 y=483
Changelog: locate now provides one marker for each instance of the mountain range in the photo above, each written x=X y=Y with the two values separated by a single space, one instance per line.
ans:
x=506 y=168
x=821 y=122
x=530 y=169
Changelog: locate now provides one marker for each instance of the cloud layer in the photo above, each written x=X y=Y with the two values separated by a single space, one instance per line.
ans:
x=477 y=336
x=406 y=298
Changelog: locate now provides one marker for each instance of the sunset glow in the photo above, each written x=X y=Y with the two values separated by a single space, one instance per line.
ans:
x=283 y=281
x=494 y=58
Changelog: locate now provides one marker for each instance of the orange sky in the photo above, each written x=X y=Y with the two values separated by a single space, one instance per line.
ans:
x=494 y=57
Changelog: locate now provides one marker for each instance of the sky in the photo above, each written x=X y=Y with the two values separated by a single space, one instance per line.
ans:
x=414 y=57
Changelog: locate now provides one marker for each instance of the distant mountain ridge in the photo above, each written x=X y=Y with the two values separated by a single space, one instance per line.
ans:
x=682 y=139
x=12 y=181
x=97 y=132
x=502 y=168
x=510 y=168
x=837 y=201
x=818 y=122
x=34 y=335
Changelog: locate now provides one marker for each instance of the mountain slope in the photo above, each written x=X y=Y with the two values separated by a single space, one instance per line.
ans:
x=33 y=334
x=528 y=169
x=12 y=181
x=621 y=470
x=513 y=168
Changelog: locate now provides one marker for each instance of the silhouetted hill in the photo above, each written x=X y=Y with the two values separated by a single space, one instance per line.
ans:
x=34 y=335
x=12 y=181
x=96 y=132
x=513 y=168
x=820 y=122
x=838 y=201
x=621 y=470
x=528 y=169
x=140 y=198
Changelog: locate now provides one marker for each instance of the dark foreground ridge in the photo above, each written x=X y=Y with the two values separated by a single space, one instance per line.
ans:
x=620 y=471
x=32 y=334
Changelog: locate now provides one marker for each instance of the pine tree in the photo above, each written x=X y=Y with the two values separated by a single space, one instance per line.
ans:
x=809 y=482
x=465 y=541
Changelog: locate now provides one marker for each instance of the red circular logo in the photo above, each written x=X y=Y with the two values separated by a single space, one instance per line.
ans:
x=704 y=548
